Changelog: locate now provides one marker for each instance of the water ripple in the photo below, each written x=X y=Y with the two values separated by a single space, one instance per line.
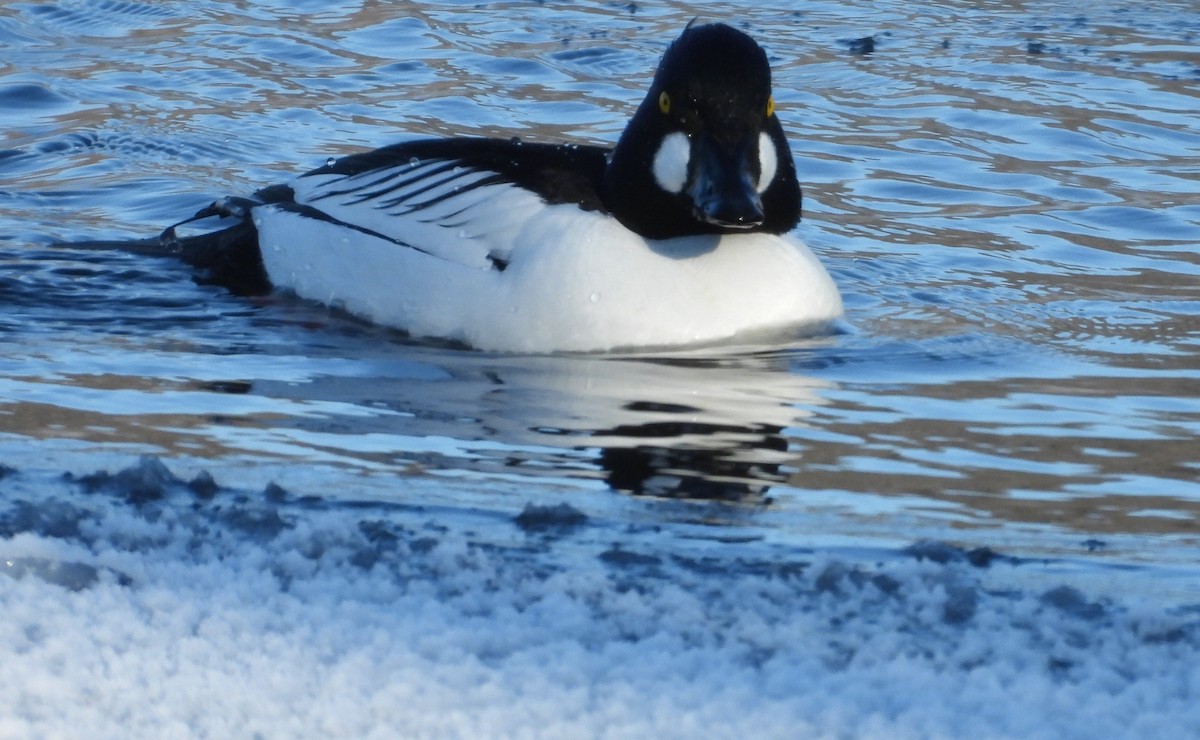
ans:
x=1007 y=196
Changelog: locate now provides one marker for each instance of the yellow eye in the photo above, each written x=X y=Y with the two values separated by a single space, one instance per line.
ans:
x=770 y=106
x=664 y=102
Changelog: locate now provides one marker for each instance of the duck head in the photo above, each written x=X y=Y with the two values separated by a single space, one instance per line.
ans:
x=704 y=153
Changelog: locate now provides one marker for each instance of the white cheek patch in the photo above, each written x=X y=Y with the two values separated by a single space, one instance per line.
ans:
x=768 y=163
x=671 y=162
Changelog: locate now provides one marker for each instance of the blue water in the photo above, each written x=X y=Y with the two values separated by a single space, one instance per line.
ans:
x=1007 y=195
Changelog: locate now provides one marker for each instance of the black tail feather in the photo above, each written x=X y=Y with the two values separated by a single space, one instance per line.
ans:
x=228 y=257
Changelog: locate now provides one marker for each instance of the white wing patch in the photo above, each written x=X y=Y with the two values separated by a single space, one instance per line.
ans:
x=438 y=206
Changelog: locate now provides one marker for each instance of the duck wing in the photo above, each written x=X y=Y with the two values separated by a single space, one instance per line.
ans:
x=464 y=200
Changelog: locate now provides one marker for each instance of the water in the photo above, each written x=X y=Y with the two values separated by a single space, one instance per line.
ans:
x=1006 y=196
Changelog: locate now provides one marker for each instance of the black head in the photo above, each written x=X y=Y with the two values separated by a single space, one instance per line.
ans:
x=705 y=153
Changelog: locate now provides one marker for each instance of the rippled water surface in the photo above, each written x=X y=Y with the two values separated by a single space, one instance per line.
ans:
x=1007 y=193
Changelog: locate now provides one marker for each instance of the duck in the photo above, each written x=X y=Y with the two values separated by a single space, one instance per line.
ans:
x=678 y=235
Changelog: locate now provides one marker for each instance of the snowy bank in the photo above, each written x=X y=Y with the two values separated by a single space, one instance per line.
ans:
x=140 y=605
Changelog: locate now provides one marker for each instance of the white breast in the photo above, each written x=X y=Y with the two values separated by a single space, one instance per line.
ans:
x=573 y=281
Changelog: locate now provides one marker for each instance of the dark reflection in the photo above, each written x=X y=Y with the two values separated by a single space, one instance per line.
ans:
x=704 y=428
x=673 y=460
x=707 y=426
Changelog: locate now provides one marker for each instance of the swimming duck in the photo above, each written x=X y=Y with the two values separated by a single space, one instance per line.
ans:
x=677 y=235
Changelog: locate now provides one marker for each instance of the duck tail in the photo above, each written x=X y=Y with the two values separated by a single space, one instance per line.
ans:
x=228 y=256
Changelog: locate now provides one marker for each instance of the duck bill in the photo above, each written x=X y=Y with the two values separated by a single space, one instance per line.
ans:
x=722 y=190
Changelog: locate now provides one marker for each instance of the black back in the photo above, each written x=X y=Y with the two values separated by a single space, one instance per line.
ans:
x=563 y=173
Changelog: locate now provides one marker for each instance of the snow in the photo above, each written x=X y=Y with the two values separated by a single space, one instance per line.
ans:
x=141 y=605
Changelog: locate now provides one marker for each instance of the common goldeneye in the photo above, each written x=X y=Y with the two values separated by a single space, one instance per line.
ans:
x=678 y=235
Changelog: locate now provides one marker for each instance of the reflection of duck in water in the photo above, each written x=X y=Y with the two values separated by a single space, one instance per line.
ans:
x=678 y=235
x=711 y=424
x=694 y=461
